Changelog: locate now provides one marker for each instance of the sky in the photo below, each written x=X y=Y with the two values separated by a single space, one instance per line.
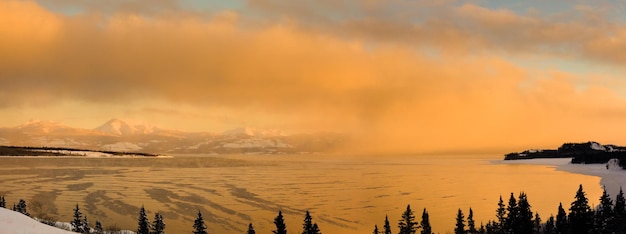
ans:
x=395 y=76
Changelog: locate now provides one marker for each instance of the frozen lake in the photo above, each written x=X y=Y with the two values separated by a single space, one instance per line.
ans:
x=345 y=194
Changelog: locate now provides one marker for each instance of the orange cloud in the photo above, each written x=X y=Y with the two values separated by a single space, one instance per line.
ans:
x=392 y=91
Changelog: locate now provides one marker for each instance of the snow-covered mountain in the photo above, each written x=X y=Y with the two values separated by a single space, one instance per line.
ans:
x=125 y=127
x=131 y=136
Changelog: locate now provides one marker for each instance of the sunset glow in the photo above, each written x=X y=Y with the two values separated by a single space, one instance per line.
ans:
x=395 y=76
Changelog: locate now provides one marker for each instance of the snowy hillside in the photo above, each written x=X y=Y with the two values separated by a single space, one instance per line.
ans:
x=14 y=222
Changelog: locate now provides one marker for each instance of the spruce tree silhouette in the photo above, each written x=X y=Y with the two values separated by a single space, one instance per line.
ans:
x=524 y=222
x=619 y=212
x=549 y=228
x=537 y=223
x=21 y=207
x=407 y=224
x=279 y=221
x=307 y=227
x=158 y=226
x=143 y=224
x=562 y=223
x=604 y=216
x=98 y=228
x=387 y=227
x=471 y=224
x=425 y=224
x=86 y=227
x=501 y=216
x=580 y=216
x=375 y=230
x=512 y=217
x=77 y=223
x=198 y=225
x=460 y=223
x=250 y=229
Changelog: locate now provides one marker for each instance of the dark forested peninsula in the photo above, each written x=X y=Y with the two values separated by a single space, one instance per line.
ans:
x=585 y=153
x=58 y=151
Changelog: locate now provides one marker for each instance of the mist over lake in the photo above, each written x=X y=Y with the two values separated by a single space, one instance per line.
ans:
x=344 y=193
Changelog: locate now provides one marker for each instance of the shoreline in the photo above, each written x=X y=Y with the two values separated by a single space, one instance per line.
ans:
x=613 y=179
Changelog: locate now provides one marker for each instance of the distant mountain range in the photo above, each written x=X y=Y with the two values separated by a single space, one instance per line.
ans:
x=128 y=136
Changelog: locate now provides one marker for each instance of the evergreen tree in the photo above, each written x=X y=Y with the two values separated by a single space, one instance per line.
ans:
x=537 y=224
x=251 y=229
x=501 y=216
x=375 y=230
x=562 y=223
x=524 y=223
x=460 y=223
x=489 y=227
x=308 y=223
x=580 y=216
x=387 y=227
x=3 y=203
x=482 y=229
x=143 y=224
x=604 y=215
x=512 y=219
x=619 y=213
x=316 y=229
x=21 y=207
x=158 y=226
x=98 y=228
x=309 y=227
x=198 y=225
x=407 y=224
x=281 y=227
x=549 y=227
x=425 y=224
x=86 y=228
x=471 y=225
x=77 y=223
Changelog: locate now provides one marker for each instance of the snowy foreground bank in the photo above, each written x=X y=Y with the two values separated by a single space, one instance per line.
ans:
x=612 y=176
x=13 y=222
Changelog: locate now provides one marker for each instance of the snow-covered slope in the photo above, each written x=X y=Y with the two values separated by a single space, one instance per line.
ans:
x=14 y=222
x=121 y=127
x=41 y=127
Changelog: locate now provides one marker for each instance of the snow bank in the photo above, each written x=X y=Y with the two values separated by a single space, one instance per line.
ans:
x=12 y=222
x=611 y=177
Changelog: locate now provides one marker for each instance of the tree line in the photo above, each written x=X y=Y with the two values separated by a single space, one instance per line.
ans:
x=514 y=217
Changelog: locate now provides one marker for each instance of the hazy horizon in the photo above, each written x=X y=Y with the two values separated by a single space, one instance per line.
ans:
x=393 y=76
